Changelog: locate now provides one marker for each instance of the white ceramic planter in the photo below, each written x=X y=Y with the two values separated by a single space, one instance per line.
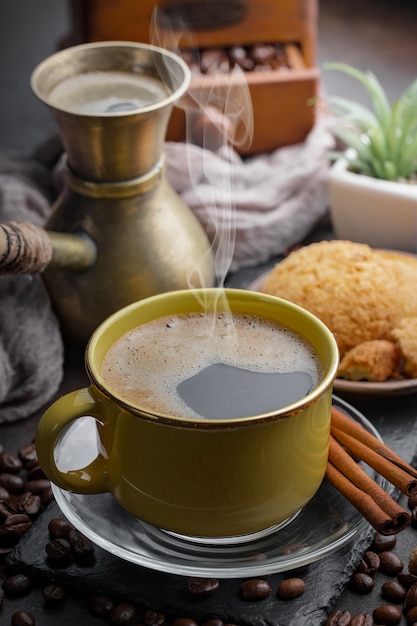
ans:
x=381 y=213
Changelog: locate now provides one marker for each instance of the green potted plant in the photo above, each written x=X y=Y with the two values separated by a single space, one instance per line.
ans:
x=373 y=180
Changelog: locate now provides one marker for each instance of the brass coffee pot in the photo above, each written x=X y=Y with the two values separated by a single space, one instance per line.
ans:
x=118 y=232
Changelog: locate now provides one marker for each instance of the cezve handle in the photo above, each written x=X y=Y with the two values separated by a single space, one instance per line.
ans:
x=29 y=249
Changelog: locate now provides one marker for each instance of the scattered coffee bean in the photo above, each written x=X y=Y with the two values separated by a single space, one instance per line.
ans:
x=412 y=615
x=12 y=482
x=390 y=563
x=414 y=517
x=100 y=605
x=59 y=528
x=213 y=622
x=387 y=614
x=338 y=618
x=53 y=594
x=361 y=583
x=155 y=618
x=9 y=537
x=23 y=618
x=10 y=463
x=255 y=589
x=17 y=585
x=35 y=473
x=410 y=598
x=369 y=564
x=184 y=621
x=58 y=550
x=38 y=486
x=122 y=614
x=406 y=579
x=362 y=619
x=393 y=591
x=290 y=588
x=82 y=548
x=381 y=543
x=30 y=504
x=4 y=494
x=28 y=454
x=202 y=586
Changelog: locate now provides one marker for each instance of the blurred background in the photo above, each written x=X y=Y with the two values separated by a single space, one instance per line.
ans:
x=372 y=34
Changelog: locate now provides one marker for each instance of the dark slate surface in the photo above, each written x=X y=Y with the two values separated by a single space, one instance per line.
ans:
x=395 y=419
x=324 y=580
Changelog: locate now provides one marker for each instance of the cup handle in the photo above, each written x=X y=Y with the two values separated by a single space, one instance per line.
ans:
x=90 y=479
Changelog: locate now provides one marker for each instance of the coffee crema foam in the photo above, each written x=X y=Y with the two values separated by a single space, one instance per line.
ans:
x=147 y=364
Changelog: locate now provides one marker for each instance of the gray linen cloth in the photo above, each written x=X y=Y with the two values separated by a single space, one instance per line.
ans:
x=252 y=209
x=31 y=347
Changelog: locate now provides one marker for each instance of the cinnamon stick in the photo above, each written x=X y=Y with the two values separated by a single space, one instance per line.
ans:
x=343 y=462
x=379 y=519
x=396 y=475
x=349 y=426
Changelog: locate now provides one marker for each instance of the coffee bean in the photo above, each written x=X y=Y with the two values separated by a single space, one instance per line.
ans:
x=9 y=537
x=153 y=618
x=58 y=549
x=390 y=563
x=387 y=615
x=17 y=585
x=393 y=591
x=59 y=528
x=122 y=614
x=338 y=618
x=213 y=622
x=412 y=615
x=414 y=517
x=369 y=564
x=18 y=523
x=202 y=586
x=362 y=619
x=381 y=543
x=35 y=473
x=82 y=547
x=290 y=588
x=30 y=504
x=406 y=579
x=27 y=453
x=37 y=486
x=101 y=605
x=53 y=594
x=4 y=494
x=255 y=589
x=47 y=495
x=23 y=618
x=361 y=583
x=12 y=482
x=410 y=598
x=184 y=621
x=16 y=519
x=10 y=463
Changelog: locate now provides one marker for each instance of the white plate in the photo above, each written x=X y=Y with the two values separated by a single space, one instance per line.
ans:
x=327 y=523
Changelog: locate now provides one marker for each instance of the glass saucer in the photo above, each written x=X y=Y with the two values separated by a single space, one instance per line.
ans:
x=326 y=523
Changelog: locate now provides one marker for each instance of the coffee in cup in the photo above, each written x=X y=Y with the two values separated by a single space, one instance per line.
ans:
x=236 y=442
x=215 y=365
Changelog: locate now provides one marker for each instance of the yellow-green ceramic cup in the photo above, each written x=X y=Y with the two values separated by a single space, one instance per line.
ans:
x=199 y=478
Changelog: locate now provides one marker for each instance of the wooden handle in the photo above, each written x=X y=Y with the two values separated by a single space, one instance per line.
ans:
x=24 y=248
